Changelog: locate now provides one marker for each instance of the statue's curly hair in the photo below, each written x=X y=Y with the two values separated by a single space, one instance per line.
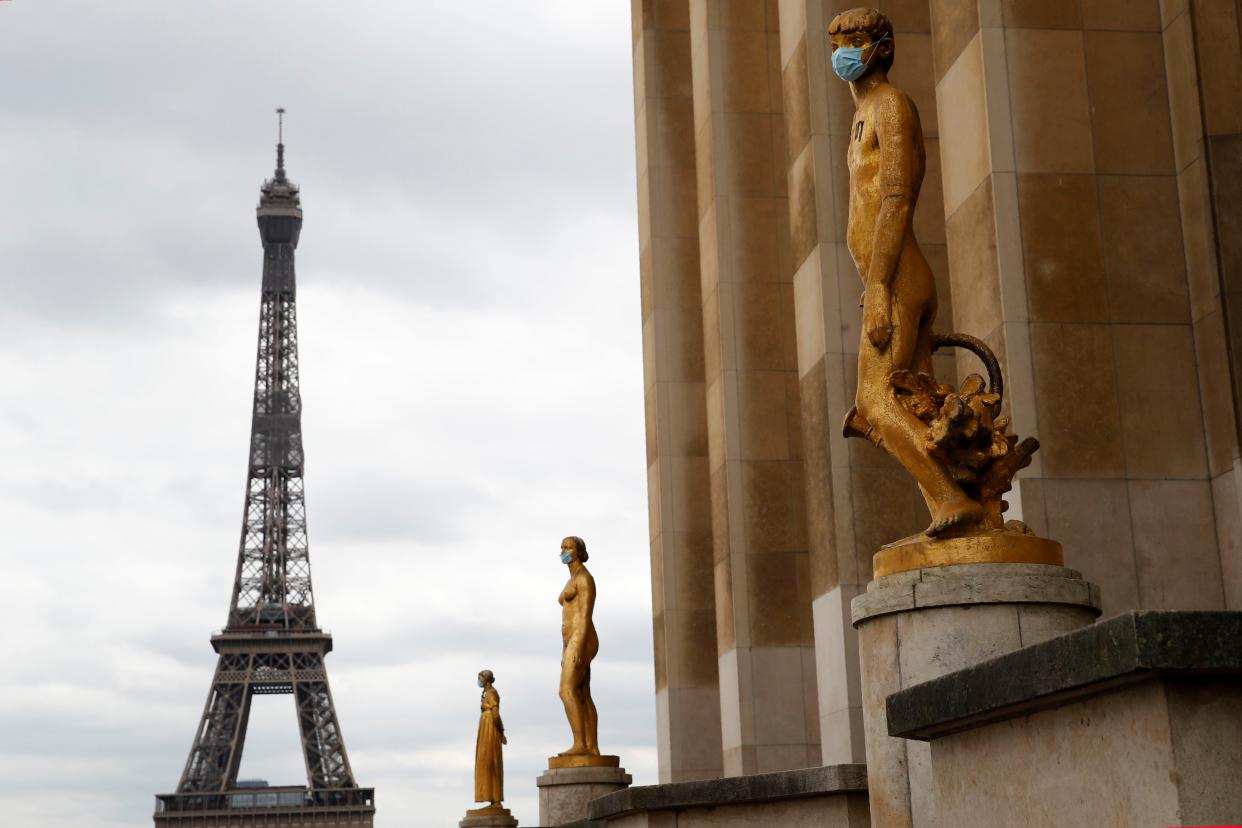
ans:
x=870 y=21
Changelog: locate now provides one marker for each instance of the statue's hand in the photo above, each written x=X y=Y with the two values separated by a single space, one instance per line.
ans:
x=504 y=740
x=877 y=316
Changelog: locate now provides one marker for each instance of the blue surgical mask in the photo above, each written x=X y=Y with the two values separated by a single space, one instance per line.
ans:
x=566 y=557
x=847 y=61
x=480 y=682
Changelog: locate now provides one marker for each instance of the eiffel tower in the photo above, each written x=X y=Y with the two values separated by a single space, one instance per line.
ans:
x=272 y=643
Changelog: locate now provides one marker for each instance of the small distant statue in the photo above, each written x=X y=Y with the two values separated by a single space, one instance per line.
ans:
x=489 y=766
x=953 y=441
x=580 y=645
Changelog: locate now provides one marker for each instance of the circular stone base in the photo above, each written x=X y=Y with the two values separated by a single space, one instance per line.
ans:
x=488 y=818
x=584 y=762
x=999 y=546
x=918 y=625
x=565 y=792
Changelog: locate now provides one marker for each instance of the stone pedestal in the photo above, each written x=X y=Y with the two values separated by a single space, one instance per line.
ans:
x=1136 y=720
x=564 y=791
x=488 y=818
x=832 y=796
x=919 y=624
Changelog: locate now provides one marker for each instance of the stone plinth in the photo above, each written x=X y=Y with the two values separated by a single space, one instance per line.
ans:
x=834 y=796
x=489 y=817
x=917 y=625
x=1133 y=721
x=565 y=791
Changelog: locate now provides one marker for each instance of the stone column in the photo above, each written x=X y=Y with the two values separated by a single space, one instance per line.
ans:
x=858 y=498
x=683 y=598
x=917 y=625
x=762 y=570
x=1067 y=255
x=1203 y=61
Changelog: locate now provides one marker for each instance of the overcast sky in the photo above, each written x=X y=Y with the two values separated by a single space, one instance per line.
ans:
x=471 y=376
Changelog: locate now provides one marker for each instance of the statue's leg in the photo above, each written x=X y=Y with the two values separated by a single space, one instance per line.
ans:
x=571 y=697
x=901 y=432
x=592 y=717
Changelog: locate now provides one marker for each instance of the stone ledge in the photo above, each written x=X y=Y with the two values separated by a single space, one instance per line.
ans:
x=583 y=776
x=972 y=584
x=1128 y=648
x=762 y=787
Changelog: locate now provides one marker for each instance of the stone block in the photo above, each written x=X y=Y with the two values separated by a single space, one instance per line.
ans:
x=916 y=625
x=565 y=792
x=488 y=818
x=1133 y=721
x=833 y=796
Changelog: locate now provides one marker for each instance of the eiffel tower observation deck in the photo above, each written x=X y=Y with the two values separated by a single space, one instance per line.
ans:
x=272 y=642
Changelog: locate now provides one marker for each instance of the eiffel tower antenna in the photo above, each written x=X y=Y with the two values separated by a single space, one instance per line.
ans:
x=280 y=143
x=271 y=642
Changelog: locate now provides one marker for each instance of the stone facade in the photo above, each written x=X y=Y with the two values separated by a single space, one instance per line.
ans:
x=825 y=797
x=1136 y=720
x=1082 y=213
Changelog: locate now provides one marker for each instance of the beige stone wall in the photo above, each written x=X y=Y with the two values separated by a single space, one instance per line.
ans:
x=1066 y=248
x=683 y=599
x=1152 y=753
x=762 y=569
x=843 y=811
x=1203 y=61
x=1082 y=212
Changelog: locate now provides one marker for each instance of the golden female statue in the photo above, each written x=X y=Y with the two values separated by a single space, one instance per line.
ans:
x=579 y=646
x=489 y=767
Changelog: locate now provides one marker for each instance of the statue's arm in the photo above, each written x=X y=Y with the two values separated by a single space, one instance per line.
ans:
x=897 y=131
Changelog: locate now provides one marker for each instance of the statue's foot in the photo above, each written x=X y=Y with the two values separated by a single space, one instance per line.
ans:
x=576 y=750
x=960 y=511
x=856 y=425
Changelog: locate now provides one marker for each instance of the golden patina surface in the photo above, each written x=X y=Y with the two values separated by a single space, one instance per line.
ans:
x=489 y=768
x=490 y=810
x=580 y=645
x=984 y=547
x=953 y=441
x=597 y=761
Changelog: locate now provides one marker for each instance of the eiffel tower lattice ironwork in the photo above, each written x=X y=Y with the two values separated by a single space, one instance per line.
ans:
x=272 y=643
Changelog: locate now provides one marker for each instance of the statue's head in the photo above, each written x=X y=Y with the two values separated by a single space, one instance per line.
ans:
x=486 y=678
x=573 y=548
x=863 y=38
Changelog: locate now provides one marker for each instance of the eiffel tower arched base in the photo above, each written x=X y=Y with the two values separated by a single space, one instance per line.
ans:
x=264 y=662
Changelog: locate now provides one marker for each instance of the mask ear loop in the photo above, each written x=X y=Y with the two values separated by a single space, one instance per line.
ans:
x=875 y=46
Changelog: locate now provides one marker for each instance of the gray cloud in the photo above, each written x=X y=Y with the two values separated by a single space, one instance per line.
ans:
x=471 y=376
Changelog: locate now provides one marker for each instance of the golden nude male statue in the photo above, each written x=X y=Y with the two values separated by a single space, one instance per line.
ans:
x=953 y=441
x=580 y=645
x=489 y=767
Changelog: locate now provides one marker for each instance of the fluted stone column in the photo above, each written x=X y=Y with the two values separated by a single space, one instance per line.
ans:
x=1066 y=195
x=683 y=596
x=766 y=655
x=1203 y=61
